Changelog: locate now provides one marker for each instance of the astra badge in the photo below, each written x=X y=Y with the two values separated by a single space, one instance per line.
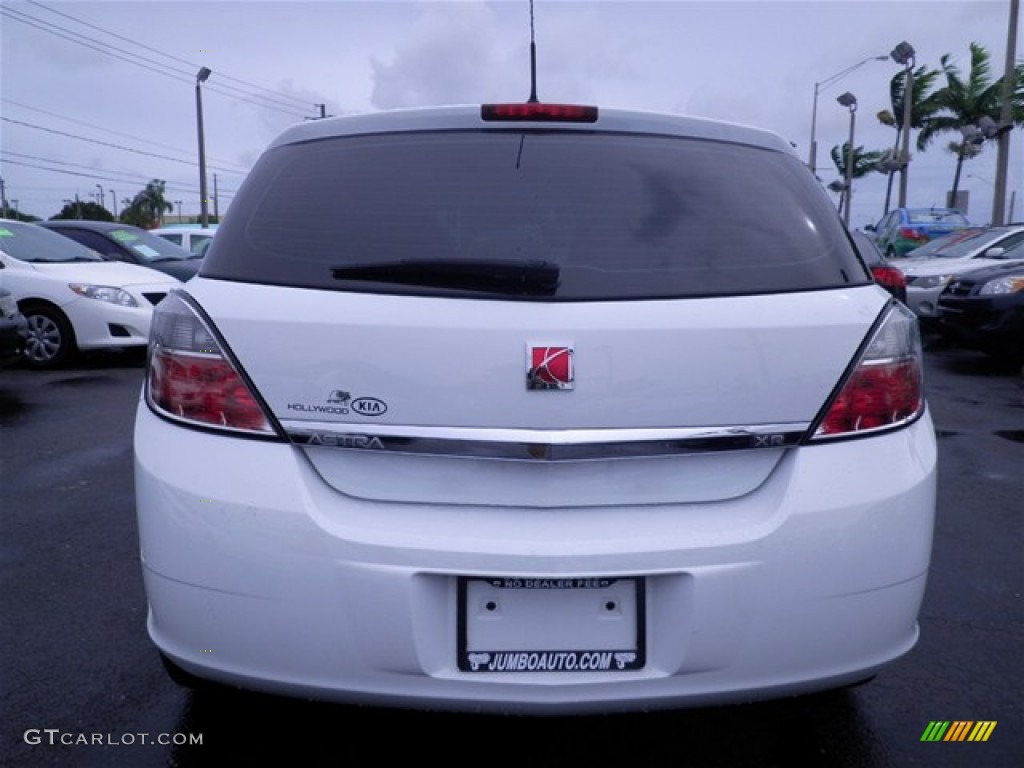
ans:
x=550 y=368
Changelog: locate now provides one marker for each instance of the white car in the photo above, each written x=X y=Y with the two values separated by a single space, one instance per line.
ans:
x=72 y=299
x=928 y=275
x=193 y=238
x=533 y=408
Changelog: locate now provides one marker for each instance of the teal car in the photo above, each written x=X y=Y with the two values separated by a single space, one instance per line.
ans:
x=904 y=229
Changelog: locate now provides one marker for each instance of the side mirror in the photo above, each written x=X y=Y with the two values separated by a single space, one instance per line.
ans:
x=870 y=228
x=994 y=252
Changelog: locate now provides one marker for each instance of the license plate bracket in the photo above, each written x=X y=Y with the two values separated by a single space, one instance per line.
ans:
x=525 y=624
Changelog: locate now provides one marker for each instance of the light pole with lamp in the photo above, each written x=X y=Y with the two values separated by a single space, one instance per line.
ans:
x=201 y=77
x=103 y=197
x=819 y=86
x=113 y=203
x=849 y=101
x=904 y=54
x=178 y=203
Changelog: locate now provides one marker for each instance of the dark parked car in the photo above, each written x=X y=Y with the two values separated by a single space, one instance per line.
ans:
x=984 y=309
x=122 y=242
x=886 y=275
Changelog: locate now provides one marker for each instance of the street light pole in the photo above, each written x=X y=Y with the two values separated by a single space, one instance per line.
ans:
x=904 y=54
x=812 y=156
x=850 y=101
x=1005 y=119
x=201 y=77
x=178 y=203
x=103 y=198
x=113 y=203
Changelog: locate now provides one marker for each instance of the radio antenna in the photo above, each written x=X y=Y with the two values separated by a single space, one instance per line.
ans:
x=533 y=61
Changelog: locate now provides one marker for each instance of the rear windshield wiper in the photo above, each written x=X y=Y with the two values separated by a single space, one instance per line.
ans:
x=510 y=277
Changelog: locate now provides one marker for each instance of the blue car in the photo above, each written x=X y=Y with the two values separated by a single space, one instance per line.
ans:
x=904 y=229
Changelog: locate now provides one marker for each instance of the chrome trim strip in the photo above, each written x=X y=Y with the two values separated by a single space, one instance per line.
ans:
x=543 y=445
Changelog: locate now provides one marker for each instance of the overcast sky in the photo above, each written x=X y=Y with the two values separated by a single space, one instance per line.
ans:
x=103 y=93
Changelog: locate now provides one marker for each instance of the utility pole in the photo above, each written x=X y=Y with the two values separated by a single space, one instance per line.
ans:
x=1005 y=120
x=3 y=196
x=204 y=73
x=113 y=203
x=216 y=208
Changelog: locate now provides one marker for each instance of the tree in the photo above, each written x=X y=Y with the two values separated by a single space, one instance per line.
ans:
x=921 y=109
x=84 y=209
x=864 y=162
x=148 y=207
x=965 y=106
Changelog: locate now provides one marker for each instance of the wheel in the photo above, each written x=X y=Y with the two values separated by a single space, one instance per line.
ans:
x=51 y=340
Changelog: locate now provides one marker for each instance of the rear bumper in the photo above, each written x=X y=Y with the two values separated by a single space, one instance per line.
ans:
x=258 y=574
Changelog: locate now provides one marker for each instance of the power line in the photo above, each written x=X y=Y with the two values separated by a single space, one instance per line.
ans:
x=166 y=55
x=105 y=130
x=166 y=71
x=109 y=144
x=126 y=177
x=95 y=175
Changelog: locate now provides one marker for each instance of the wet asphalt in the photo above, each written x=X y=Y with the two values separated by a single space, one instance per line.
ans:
x=76 y=663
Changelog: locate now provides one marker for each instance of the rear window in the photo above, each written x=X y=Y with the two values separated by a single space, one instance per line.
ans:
x=614 y=216
x=953 y=218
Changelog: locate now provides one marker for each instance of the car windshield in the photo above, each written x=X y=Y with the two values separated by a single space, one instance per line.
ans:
x=148 y=246
x=28 y=242
x=937 y=216
x=971 y=245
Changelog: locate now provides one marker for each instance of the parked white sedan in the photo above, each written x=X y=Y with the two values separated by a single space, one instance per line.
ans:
x=72 y=298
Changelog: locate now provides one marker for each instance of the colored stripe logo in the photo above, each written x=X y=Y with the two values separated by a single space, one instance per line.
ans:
x=958 y=730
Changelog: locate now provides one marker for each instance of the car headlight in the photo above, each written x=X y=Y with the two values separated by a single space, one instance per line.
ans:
x=932 y=281
x=107 y=293
x=1002 y=286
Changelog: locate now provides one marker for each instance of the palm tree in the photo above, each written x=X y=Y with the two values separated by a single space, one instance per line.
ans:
x=962 y=106
x=147 y=208
x=921 y=109
x=864 y=162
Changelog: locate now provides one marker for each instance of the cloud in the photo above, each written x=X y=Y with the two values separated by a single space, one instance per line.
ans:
x=455 y=54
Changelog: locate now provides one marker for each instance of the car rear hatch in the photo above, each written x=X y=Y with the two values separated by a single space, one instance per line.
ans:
x=517 y=315
x=416 y=399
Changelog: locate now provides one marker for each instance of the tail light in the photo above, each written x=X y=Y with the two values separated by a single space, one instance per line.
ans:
x=884 y=388
x=890 y=277
x=192 y=379
x=912 y=234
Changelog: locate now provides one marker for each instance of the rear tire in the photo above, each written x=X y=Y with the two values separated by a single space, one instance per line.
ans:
x=51 y=339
